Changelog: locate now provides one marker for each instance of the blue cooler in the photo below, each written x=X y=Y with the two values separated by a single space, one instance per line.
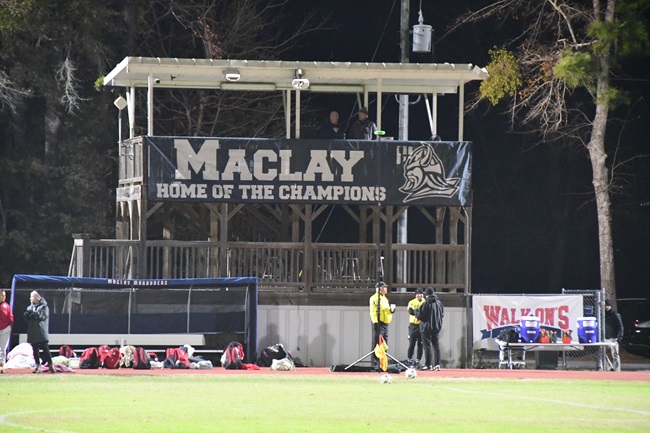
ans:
x=587 y=330
x=529 y=330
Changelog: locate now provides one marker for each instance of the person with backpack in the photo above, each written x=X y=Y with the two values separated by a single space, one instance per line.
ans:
x=430 y=314
x=38 y=323
x=415 y=336
x=381 y=314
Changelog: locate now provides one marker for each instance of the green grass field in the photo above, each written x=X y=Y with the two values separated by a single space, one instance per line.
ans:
x=337 y=402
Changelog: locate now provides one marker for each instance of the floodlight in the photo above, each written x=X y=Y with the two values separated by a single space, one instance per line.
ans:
x=232 y=75
x=120 y=103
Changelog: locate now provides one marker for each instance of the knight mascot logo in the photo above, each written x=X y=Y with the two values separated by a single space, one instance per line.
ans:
x=425 y=176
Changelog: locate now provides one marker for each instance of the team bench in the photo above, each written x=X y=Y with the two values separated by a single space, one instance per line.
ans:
x=151 y=342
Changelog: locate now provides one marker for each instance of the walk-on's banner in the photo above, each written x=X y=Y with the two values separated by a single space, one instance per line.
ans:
x=191 y=169
x=493 y=314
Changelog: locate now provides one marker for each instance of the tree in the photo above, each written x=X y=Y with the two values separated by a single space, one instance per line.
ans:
x=558 y=82
x=57 y=153
x=54 y=165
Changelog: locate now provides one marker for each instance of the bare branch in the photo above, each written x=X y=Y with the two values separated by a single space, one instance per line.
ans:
x=67 y=79
x=11 y=97
x=560 y=10
x=246 y=29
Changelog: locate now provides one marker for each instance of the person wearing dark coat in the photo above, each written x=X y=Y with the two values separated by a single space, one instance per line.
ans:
x=331 y=129
x=362 y=128
x=38 y=323
x=613 y=333
x=430 y=326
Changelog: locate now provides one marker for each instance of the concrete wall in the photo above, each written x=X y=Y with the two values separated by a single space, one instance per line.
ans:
x=326 y=335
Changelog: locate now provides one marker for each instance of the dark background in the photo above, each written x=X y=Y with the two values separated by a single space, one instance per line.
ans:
x=535 y=226
x=534 y=220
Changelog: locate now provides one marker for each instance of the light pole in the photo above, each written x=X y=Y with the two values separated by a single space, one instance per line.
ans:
x=403 y=132
x=421 y=43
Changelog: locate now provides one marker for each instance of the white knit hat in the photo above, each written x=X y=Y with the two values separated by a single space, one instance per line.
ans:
x=36 y=295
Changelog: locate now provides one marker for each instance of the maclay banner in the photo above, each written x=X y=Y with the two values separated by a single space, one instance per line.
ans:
x=493 y=314
x=190 y=169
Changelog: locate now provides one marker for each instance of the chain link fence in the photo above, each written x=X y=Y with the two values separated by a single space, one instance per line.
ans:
x=572 y=358
x=588 y=358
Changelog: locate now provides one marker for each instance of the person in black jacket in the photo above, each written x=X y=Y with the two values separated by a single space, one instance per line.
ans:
x=362 y=128
x=613 y=333
x=431 y=314
x=332 y=129
x=38 y=323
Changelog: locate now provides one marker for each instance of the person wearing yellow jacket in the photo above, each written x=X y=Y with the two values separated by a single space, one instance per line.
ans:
x=415 y=337
x=381 y=314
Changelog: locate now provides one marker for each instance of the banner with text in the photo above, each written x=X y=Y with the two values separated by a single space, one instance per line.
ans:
x=492 y=314
x=190 y=169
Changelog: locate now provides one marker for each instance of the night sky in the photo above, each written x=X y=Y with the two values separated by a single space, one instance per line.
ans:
x=535 y=228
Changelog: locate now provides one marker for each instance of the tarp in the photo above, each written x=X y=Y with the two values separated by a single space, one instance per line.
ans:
x=190 y=169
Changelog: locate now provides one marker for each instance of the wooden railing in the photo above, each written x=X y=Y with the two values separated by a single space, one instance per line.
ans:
x=278 y=265
x=130 y=162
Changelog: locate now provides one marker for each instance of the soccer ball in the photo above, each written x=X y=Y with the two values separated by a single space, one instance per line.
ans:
x=386 y=378
x=411 y=373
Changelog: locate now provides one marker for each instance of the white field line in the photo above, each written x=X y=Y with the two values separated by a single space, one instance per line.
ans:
x=4 y=421
x=549 y=400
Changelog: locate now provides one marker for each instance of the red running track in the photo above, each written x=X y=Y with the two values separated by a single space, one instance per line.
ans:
x=643 y=375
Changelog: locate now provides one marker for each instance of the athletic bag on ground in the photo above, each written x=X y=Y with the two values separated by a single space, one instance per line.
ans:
x=233 y=356
x=268 y=354
x=112 y=358
x=126 y=356
x=176 y=358
x=102 y=350
x=66 y=351
x=141 y=359
x=89 y=359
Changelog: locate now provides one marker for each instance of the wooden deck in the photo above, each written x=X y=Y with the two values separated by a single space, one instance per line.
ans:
x=278 y=265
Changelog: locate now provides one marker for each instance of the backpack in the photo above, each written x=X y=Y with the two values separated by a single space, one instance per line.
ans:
x=112 y=358
x=103 y=351
x=176 y=358
x=141 y=359
x=66 y=351
x=268 y=354
x=89 y=359
x=126 y=356
x=233 y=356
